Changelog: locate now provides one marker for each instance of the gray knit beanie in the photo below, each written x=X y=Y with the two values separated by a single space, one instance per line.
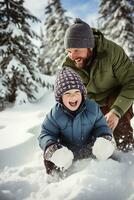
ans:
x=79 y=35
x=67 y=79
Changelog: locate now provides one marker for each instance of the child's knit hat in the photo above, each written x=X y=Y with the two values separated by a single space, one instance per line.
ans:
x=67 y=79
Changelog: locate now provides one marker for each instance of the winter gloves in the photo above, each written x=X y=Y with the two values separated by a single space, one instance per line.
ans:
x=62 y=158
x=59 y=155
x=51 y=149
x=103 y=147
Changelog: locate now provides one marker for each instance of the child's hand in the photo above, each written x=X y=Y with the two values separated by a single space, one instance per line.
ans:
x=103 y=148
x=51 y=149
x=62 y=158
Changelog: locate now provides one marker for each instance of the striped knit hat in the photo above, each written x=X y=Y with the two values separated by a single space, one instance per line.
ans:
x=66 y=80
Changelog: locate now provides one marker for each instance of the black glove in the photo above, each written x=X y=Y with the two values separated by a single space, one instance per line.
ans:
x=107 y=137
x=51 y=149
x=50 y=167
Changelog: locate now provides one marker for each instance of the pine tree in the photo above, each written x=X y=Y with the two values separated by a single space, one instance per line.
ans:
x=117 y=23
x=18 y=72
x=52 y=48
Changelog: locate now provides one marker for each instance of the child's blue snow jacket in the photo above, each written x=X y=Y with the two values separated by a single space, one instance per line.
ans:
x=73 y=131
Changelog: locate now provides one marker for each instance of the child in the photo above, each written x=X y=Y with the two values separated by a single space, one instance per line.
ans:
x=74 y=122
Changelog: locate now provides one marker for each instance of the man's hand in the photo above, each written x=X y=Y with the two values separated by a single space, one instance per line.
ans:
x=112 y=119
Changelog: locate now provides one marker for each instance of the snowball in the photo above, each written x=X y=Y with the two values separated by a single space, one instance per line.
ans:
x=62 y=158
x=103 y=148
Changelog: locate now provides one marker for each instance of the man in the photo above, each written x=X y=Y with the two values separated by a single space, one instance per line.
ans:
x=108 y=75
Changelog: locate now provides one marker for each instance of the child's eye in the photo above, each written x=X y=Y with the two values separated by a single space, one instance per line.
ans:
x=67 y=93
x=77 y=92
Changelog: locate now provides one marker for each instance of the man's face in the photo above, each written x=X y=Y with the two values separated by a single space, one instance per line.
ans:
x=79 y=56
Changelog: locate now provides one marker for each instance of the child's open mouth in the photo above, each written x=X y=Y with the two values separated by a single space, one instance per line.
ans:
x=73 y=104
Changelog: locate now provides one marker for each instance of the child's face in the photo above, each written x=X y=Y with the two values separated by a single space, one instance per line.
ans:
x=72 y=99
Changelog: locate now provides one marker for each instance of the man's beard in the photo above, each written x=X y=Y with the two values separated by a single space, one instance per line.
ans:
x=82 y=63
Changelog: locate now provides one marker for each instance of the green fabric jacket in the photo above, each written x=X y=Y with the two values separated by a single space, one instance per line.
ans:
x=109 y=72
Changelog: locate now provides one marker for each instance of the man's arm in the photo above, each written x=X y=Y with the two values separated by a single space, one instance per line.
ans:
x=123 y=70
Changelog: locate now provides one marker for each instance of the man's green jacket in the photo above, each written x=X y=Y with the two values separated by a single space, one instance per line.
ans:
x=109 y=72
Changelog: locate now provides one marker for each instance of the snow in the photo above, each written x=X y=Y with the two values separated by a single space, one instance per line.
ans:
x=62 y=158
x=103 y=148
x=22 y=174
x=13 y=28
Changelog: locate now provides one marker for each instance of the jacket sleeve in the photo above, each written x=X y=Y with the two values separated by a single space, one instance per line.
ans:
x=49 y=132
x=123 y=70
x=101 y=127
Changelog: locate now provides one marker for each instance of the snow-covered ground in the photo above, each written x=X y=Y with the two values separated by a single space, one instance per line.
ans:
x=22 y=174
